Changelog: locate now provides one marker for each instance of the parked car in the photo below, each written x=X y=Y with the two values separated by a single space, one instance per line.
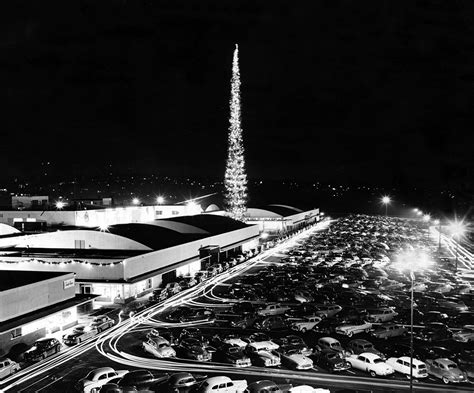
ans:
x=434 y=331
x=446 y=370
x=80 y=333
x=327 y=310
x=98 y=377
x=293 y=359
x=465 y=335
x=162 y=332
x=303 y=296
x=42 y=348
x=198 y=314
x=222 y=384
x=159 y=347
x=261 y=355
x=261 y=338
x=101 y=323
x=402 y=365
x=330 y=360
x=359 y=346
x=201 y=276
x=181 y=381
x=380 y=315
x=330 y=343
x=266 y=386
x=273 y=322
x=304 y=324
x=273 y=309
x=370 y=363
x=389 y=330
x=243 y=308
x=233 y=354
x=354 y=328
x=8 y=367
x=192 y=348
x=244 y=322
x=173 y=288
x=141 y=380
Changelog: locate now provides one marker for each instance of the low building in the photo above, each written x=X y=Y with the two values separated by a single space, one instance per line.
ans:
x=97 y=217
x=34 y=304
x=125 y=261
x=30 y=202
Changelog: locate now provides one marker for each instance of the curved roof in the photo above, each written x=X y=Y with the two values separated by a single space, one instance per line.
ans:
x=178 y=226
x=213 y=224
x=153 y=236
x=283 y=210
x=8 y=230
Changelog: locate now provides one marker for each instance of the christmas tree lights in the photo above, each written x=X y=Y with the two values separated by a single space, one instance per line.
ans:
x=235 y=181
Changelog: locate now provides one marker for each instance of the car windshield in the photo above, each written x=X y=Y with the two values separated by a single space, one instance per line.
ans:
x=335 y=345
x=234 y=350
x=420 y=366
x=367 y=346
x=378 y=360
x=452 y=365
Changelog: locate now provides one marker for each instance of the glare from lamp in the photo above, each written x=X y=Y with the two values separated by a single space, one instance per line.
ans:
x=457 y=228
x=60 y=204
x=160 y=200
x=135 y=201
x=426 y=217
x=386 y=200
x=413 y=261
x=264 y=235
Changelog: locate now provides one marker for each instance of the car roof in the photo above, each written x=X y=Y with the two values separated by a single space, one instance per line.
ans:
x=103 y=370
x=359 y=341
x=444 y=361
x=329 y=339
x=369 y=355
x=220 y=379
x=407 y=359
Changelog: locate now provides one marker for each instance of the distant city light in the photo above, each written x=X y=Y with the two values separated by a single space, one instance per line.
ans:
x=419 y=212
x=160 y=200
x=135 y=201
x=385 y=200
x=60 y=204
x=436 y=222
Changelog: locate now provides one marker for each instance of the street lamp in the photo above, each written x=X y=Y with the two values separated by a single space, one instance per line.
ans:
x=386 y=200
x=412 y=261
x=60 y=205
x=135 y=201
x=457 y=230
x=160 y=200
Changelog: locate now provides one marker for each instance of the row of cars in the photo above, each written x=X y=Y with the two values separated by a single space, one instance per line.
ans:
x=342 y=282
x=48 y=346
x=109 y=380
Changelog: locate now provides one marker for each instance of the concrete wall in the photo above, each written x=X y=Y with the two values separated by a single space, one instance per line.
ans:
x=145 y=263
x=22 y=300
x=52 y=217
x=66 y=239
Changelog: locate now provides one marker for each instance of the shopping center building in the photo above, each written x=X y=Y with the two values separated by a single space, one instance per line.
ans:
x=123 y=261
x=34 y=304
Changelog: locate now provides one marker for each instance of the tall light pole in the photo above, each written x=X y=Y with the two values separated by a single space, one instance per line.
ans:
x=457 y=229
x=412 y=261
x=386 y=201
x=438 y=223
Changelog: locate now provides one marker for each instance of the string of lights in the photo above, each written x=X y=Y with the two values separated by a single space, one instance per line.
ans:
x=63 y=263
x=235 y=181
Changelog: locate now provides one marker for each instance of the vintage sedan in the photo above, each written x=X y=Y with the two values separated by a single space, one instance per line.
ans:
x=354 y=328
x=159 y=347
x=233 y=354
x=402 y=365
x=262 y=339
x=383 y=314
x=192 y=348
x=222 y=384
x=370 y=363
x=42 y=348
x=304 y=324
x=273 y=309
x=446 y=370
x=97 y=378
x=465 y=335
x=294 y=359
x=261 y=355
x=8 y=367
x=359 y=346
x=389 y=330
x=330 y=343
x=80 y=333
x=330 y=360
x=102 y=322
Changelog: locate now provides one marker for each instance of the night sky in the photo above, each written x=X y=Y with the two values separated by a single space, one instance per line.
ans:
x=345 y=91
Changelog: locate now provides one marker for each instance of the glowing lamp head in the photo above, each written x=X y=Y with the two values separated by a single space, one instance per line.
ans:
x=160 y=200
x=103 y=227
x=415 y=210
x=426 y=217
x=135 y=201
x=264 y=235
x=191 y=203
x=436 y=222
x=457 y=228
x=419 y=213
x=386 y=200
x=60 y=204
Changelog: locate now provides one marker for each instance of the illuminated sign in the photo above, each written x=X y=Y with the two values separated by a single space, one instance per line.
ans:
x=68 y=283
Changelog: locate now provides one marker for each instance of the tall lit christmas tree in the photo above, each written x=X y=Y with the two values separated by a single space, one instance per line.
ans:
x=235 y=181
